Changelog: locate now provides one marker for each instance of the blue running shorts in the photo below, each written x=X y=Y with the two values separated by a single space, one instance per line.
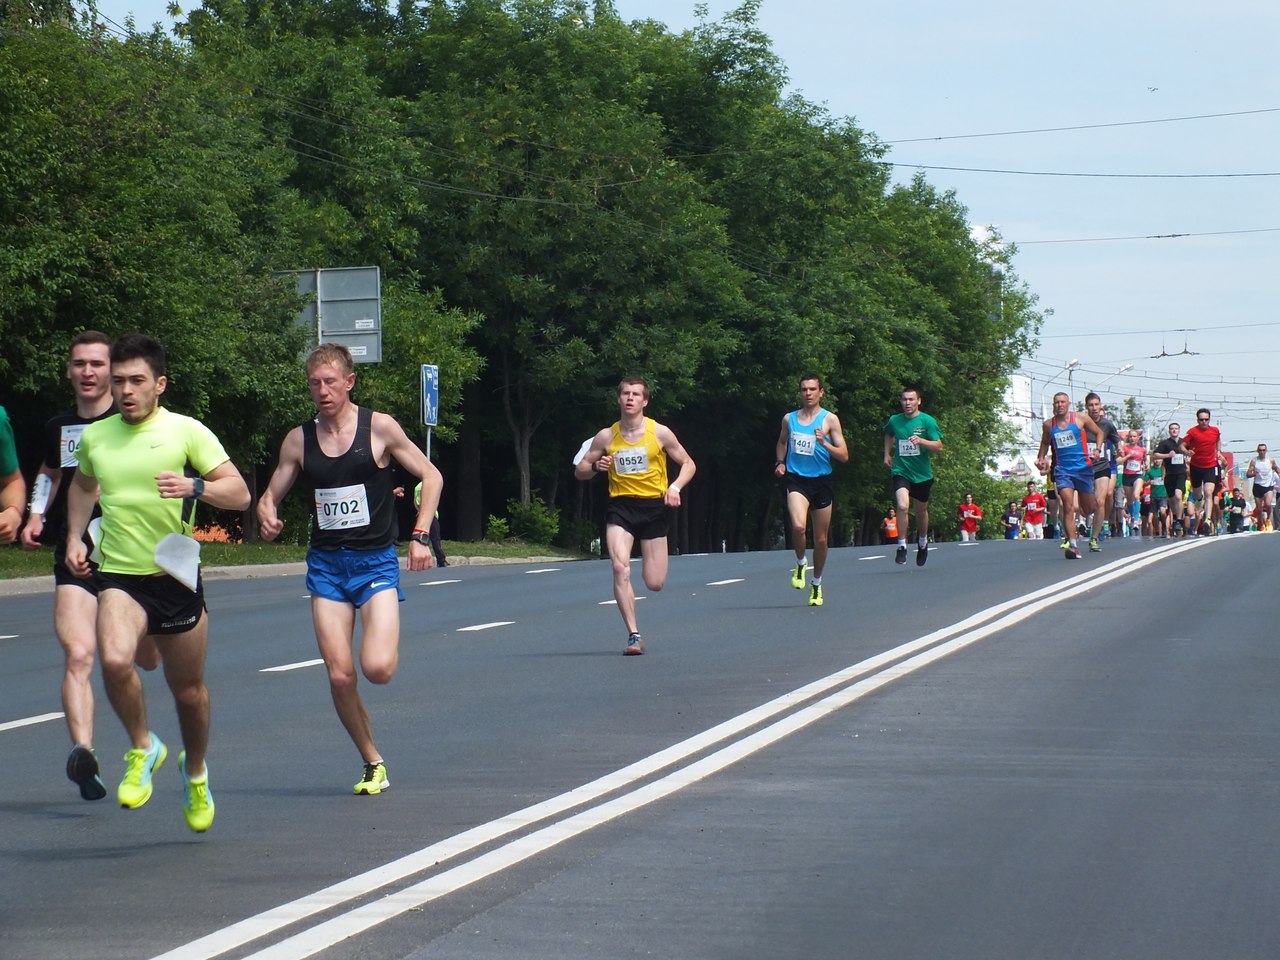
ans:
x=353 y=576
x=1078 y=480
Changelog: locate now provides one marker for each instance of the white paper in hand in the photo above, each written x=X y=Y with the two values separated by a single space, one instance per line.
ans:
x=179 y=557
x=95 y=536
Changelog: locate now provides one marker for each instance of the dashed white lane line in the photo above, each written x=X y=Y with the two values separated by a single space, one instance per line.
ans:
x=877 y=556
x=292 y=666
x=8 y=636
x=436 y=583
x=788 y=712
x=29 y=721
x=614 y=603
x=485 y=626
x=722 y=583
x=545 y=570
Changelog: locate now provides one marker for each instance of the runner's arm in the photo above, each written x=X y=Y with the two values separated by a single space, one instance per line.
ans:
x=677 y=454
x=221 y=487
x=282 y=479
x=13 y=497
x=780 y=448
x=82 y=494
x=596 y=459
x=836 y=446
x=410 y=456
x=43 y=490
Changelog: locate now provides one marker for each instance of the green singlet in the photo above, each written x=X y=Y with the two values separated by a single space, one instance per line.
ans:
x=125 y=460
x=8 y=451
x=911 y=460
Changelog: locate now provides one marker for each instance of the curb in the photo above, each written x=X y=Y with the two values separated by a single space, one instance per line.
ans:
x=23 y=586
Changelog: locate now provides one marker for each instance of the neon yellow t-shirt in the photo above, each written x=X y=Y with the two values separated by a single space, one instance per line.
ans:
x=125 y=460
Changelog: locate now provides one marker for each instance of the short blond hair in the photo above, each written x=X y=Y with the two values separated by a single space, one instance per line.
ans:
x=334 y=354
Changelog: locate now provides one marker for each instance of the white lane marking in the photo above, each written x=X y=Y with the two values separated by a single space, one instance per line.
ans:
x=9 y=636
x=878 y=556
x=721 y=583
x=485 y=626
x=436 y=583
x=614 y=603
x=252 y=928
x=29 y=721
x=545 y=570
x=291 y=666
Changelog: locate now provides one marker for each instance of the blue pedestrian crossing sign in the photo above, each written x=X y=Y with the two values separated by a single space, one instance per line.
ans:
x=430 y=394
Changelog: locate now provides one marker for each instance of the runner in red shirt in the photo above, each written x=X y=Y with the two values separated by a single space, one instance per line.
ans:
x=1033 y=508
x=1204 y=445
x=969 y=514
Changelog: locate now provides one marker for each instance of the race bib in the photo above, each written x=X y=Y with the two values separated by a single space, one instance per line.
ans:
x=631 y=460
x=907 y=447
x=70 y=443
x=1177 y=460
x=1065 y=440
x=339 y=508
x=803 y=444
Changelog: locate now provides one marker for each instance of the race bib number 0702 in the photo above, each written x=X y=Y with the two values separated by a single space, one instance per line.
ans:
x=340 y=508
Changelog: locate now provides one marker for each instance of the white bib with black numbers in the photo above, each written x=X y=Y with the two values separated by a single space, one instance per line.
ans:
x=340 y=508
x=631 y=460
x=70 y=443
x=803 y=444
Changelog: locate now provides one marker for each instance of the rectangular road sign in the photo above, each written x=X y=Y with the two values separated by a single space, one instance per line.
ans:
x=430 y=394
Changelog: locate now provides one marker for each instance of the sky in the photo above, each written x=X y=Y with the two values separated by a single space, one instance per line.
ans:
x=1130 y=151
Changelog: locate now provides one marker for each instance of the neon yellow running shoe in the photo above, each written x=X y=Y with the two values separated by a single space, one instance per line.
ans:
x=135 y=788
x=815 y=597
x=374 y=780
x=197 y=798
x=797 y=578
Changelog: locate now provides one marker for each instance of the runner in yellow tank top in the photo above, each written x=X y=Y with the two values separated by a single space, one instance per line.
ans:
x=634 y=452
x=639 y=469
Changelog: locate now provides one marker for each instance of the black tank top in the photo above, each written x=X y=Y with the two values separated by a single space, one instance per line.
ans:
x=350 y=496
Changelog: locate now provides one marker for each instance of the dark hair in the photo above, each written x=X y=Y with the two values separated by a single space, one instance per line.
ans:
x=138 y=346
x=911 y=388
x=638 y=381
x=811 y=376
x=1205 y=411
x=1092 y=396
x=89 y=336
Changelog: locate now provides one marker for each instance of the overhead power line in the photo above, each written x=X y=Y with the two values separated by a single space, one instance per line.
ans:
x=1088 y=126
x=1153 y=236
x=1096 y=176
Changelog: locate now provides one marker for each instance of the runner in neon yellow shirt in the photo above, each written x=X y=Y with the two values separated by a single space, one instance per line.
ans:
x=139 y=459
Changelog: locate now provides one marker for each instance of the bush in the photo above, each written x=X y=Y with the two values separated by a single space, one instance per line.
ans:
x=496 y=530
x=534 y=522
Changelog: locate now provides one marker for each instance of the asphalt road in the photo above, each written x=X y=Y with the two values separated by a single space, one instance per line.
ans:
x=1000 y=755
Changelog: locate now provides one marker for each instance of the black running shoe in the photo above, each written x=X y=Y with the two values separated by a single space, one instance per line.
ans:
x=82 y=770
x=901 y=555
x=922 y=554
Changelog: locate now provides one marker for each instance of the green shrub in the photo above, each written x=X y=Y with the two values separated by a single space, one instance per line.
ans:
x=534 y=522
x=497 y=529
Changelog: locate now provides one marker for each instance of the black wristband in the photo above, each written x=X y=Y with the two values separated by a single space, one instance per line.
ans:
x=197 y=487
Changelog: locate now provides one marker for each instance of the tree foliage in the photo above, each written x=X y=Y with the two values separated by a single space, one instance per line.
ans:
x=555 y=197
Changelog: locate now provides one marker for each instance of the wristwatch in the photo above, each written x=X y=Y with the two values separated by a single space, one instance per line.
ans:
x=421 y=536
